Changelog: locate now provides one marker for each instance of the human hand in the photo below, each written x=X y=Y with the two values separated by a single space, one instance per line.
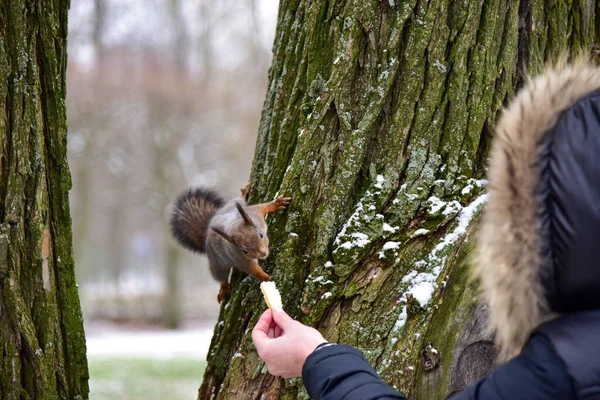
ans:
x=283 y=343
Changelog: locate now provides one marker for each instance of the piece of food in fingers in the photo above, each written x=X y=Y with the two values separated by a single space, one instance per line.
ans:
x=271 y=295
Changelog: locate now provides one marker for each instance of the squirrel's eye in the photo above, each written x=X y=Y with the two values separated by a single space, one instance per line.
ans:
x=244 y=251
x=261 y=235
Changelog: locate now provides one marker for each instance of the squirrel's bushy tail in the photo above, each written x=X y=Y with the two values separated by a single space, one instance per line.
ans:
x=191 y=215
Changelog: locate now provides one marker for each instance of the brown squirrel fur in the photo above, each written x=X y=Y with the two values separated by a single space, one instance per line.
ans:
x=230 y=233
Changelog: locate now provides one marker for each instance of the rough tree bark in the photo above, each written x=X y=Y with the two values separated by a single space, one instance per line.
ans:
x=377 y=121
x=41 y=328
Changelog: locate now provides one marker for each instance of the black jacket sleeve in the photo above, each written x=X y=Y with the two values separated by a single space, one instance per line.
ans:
x=341 y=372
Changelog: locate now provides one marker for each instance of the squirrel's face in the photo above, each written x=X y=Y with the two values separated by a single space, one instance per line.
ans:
x=250 y=239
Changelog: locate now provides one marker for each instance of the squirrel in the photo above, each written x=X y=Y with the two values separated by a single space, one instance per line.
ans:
x=230 y=233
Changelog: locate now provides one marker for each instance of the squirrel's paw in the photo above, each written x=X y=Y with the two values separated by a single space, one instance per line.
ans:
x=282 y=202
x=223 y=292
x=222 y=296
x=245 y=190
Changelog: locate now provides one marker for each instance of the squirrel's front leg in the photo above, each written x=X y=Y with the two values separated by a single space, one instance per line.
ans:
x=256 y=271
x=278 y=204
x=253 y=270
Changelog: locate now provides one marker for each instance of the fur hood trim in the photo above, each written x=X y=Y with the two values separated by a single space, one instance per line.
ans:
x=508 y=259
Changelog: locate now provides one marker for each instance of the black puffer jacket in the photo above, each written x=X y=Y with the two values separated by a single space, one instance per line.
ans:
x=539 y=254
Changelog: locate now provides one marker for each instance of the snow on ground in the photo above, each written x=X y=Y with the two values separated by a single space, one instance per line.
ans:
x=190 y=343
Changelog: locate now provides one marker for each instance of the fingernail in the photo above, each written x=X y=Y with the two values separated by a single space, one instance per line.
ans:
x=277 y=309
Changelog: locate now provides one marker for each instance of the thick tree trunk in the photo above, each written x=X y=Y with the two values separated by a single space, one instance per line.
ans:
x=41 y=327
x=378 y=121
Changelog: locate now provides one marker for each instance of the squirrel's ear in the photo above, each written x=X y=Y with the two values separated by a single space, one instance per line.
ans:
x=226 y=236
x=243 y=214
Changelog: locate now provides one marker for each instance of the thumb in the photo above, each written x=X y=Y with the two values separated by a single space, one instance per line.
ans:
x=282 y=319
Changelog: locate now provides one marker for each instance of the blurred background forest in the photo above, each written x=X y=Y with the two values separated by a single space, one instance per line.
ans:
x=161 y=94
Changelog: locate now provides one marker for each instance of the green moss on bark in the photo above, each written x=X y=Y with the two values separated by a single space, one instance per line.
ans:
x=42 y=327
x=377 y=121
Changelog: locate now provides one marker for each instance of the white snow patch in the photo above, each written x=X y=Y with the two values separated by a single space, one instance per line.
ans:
x=449 y=208
x=322 y=281
x=452 y=208
x=328 y=264
x=420 y=232
x=423 y=284
x=409 y=277
x=390 y=245
x=422 y=292
x=435 y=204
x=351 y=221
x=380 y=181
x=293 y=234
x=388 y=228
x=361 y=239
x=363 y=213
x=471 y=183
x=464 y=219
x=326 y=295
x=358 y=240
x=401 y=319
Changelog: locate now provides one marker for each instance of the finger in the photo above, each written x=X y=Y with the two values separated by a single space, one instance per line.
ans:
x=278 y=331
x=271 y=333
x=262 y=326
x=282 y=319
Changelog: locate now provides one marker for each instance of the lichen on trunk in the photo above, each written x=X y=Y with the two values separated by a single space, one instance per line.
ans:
x=377 y=121
x=41 y=334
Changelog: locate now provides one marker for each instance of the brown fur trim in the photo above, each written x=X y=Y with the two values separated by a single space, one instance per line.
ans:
x=509 y=240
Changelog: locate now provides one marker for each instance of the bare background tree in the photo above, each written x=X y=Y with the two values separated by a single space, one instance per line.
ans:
x=162 y=94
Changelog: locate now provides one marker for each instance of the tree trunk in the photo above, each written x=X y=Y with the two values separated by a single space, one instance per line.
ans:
x=41 y=326
x=377 y=122
x=171 y=314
